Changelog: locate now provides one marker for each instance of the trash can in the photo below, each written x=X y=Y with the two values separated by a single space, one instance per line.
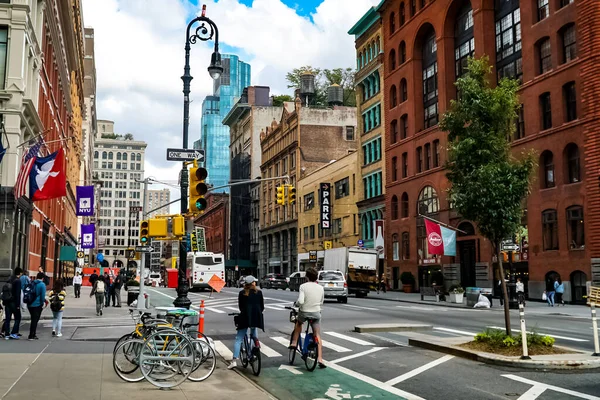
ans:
x=132 y=294
x=172 y=275
x=472 y=295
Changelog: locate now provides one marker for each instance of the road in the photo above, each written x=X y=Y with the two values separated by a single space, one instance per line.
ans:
x=383 y=365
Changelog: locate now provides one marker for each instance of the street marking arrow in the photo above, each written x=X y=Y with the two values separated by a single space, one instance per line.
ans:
x=290 y=368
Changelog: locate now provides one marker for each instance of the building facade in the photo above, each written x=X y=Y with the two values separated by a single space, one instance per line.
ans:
x=247 y=118
x=215 y=221
x=214 y=137
x=346 y=189
x=426 y=49
x=119 y=165
x=156 y=199
x=302 y=141
x=368 y=36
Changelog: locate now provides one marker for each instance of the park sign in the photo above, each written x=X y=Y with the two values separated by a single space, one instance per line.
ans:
x=325 y=205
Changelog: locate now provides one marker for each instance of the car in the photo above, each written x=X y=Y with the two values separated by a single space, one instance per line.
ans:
x=273 y=281
x=154 y=279
x=334 y=284
x=296 y=279
x=241 y=282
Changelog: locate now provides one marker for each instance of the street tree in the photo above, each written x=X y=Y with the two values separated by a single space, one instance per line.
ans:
x=323 y=79
x=489 y=185
x=280 y=99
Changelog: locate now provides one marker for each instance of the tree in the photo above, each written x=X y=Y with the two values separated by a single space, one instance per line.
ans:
x=324 y=78
x=128 y=136
x=280 y=99
x=488 y=184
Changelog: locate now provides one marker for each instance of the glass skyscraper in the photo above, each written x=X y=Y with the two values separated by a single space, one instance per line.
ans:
x=214 y=137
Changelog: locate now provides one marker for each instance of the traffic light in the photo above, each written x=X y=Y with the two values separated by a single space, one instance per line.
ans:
x=291 y=194
x=178 y=226
x=144 y=232
x=198 y=189
x=158 y=227
x=281 y=195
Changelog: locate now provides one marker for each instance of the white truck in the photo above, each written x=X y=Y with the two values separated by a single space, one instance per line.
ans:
x=358 y=265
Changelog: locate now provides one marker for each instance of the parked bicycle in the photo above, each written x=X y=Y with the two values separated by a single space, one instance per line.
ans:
x=250 y=351
x=308 y=348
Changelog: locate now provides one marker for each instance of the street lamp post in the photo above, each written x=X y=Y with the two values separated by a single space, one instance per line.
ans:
x=205 y=31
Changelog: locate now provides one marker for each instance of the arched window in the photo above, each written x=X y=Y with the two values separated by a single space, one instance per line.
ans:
x=570 y=96
x=95 y=154
x=404 y=126
x=118 y=155
x=428 y=203
x=124 y=156
x=110 y=155
x=464 y=42
x=104 y=155
x=394 y=131
x=430 y=85
x=393 y=97
x=404 y=205
x=466 y=229
x=402 y=14
x=392 y=23
x=575 y=228
x=550 y=230
x=547 y=163
x=572 y=162
x=402 y=51
x=392 y=60
x=394 y=207
x=138 y=157
x=403 y=90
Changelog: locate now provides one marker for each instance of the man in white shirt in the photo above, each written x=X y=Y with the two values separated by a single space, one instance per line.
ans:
x=310 y=302
x=77 y=281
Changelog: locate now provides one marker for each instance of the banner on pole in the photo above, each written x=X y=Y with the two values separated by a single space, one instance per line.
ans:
x=88 y=235
x=85 y=201
x=201 y=239
x=440 y=240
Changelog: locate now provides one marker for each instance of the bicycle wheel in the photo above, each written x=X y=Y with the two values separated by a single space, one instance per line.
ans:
x=205 y=361
x=244 y=352
x=255 y=361
x=167 y=358
x=122 y=339
x=312 y=354
x=292 y=352
x=126 y=360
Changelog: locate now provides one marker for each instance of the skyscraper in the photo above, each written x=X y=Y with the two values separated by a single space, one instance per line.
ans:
x=214 y=137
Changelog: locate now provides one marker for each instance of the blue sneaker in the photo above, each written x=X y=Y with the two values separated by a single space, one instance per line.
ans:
x=14 y=336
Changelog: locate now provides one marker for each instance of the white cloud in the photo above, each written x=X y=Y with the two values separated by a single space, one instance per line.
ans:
x=140 y=55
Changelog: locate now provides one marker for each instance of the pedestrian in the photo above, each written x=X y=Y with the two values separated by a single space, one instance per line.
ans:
x=251 y=304
x=559 y=288
x=57 y=304
x=108 y=284
x=116 y=292
x=12 y=301
x=77 y=281
x=383 y=283
x=37 y=304
x=520 y=288
x=94 y=277
x=550 y=297
x=98 y=290
x=46 y=279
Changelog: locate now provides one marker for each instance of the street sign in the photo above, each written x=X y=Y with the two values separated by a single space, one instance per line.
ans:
x=143 y=249
x=510 y=246
x=327 y=244
x=361 y=243
x=80 y=254
x=185 y=155
x=194 y=241
x=216 y=283
x=312 y=256
x=133 y=209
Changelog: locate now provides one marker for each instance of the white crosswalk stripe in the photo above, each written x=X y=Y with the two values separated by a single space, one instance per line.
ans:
x=350 y=338
x=281 y=340
x=214 y=310
x=267 y=351
x=232 y=308
x=332 y=346
x=223 y=350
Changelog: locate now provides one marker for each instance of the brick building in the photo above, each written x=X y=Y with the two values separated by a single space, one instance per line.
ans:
x=214 y=221
x=426 y=44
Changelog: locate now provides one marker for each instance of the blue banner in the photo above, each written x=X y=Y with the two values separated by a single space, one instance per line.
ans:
x=449 y=238
x=88 y=236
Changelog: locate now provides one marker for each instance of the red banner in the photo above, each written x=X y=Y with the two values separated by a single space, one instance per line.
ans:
x=87 y=272
x=435 y=243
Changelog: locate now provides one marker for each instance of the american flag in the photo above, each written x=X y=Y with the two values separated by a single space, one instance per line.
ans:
x=29 y=157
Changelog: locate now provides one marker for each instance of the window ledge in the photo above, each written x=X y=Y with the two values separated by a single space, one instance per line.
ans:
x=578 y=249
x=547 y=188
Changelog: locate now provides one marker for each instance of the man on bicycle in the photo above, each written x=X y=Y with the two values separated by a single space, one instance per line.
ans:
x=310 y=302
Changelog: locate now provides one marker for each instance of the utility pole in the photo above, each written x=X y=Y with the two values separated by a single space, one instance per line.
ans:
x=141 y=303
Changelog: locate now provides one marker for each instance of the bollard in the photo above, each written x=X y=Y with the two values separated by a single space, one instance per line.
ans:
x=201 y=319
x=525 y=355
x=595 y=329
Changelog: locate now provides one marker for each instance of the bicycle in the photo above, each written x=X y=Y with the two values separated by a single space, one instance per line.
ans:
x=308 y=348
x=250 y=350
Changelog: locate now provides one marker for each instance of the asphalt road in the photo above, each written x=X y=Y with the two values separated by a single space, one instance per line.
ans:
x=383 y=365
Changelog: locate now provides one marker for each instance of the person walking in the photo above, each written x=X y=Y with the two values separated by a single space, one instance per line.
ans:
x=251 y=304
x=116 y=292
x=559 y=289
x=93 y=277
x=46 y=279
x=520 y=288
x=550 y=297
x=12 y=301
x=108 y=285
x=77 y=282
x=98 y=290
x=37 y=304
x=57 y=304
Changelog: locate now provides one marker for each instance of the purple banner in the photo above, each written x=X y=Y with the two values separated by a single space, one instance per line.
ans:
x=88 y=236
x=85 y=201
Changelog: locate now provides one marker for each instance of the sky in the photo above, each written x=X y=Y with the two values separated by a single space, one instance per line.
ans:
x=139 y=54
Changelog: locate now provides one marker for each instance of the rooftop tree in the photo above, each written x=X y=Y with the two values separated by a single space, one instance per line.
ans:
x=489 y=185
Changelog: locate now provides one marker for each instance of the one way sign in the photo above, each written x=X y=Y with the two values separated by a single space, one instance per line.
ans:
x=185 y=155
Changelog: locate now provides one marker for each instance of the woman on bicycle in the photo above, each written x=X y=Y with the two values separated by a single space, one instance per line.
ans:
x=252 y=305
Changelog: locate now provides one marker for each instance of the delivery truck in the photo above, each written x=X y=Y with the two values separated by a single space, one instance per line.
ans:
x=358 y=265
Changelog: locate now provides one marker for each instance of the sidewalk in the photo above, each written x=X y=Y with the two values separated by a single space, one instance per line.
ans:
x=532 y=307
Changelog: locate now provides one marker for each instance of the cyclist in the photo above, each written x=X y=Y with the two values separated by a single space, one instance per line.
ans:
x=310 y=303
x=252 y=305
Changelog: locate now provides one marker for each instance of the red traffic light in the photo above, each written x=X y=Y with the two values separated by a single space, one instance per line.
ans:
x=201 y=173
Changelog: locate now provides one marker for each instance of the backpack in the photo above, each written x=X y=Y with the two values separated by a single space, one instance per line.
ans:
x=99 y=287
x=29 y=294
x=55 y=302
x=7 y=292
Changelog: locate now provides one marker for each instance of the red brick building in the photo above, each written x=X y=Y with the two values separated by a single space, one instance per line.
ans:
x=215 y=222
x=426 y=44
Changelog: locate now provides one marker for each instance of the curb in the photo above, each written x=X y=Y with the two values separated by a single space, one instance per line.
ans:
x=433 y=303
x=392 y=328
x=505 y=361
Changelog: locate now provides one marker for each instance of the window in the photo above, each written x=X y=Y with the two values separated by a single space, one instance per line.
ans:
x=543 y=9
x=393 y=97
x=403 y=89
x=575 y=233
x=427 y=156
x=392 y=23
x=572 y=158
x=118 y=156
x=520 y=123
x=564 y=3
x=436 y=153
x=430 y=89
x=394 y=207
x=546 y=109
x=550 y=230
x=312 y=231
x=404 y=126
x=508 y=41
x=547 y=162
x=464 y=42
x=419 y=159
x=394 y=169
x=3 y=55
x=337 y=226
x=545 y=54
x=569 y=42
x=309 y=201
x=342 y=188
x=405 y=246
x=104 y=155
x=404 y=205
x=402 y=14
x=395 y=247
x=306 y=237
x=428 y=203
x=413 y=7
x=124 y=156
x=394 y=131
x=392 y=59
x=402 y=52
x=570 y=101
x=349 y=135
x=110 y=155
x=404 y=165
x=138 y=157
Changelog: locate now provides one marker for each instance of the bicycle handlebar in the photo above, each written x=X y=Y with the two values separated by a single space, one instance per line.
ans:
x=235 y=314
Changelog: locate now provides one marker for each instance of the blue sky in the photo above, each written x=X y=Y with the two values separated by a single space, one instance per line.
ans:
x=303 y=7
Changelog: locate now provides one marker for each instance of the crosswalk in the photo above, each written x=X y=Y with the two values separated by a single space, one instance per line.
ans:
x=346 y=344
x=230 y=304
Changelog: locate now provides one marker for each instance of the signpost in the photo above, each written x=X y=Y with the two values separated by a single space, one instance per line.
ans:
x=200 y=237
x=312 y=256
x=509 y=246
x=325 y=205
x=143 y=249
x=185 y=155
